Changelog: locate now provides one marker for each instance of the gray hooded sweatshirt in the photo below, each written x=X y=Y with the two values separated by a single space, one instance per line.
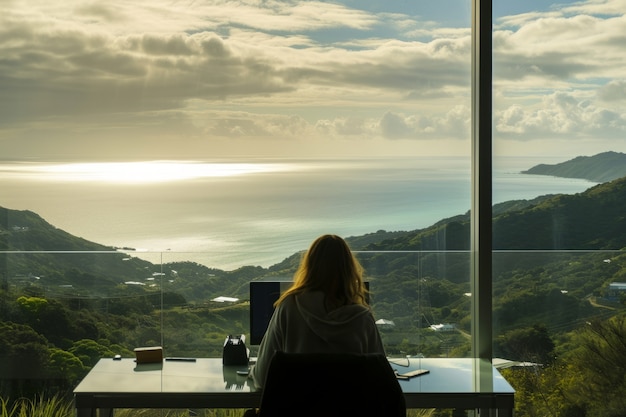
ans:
x=301 y=324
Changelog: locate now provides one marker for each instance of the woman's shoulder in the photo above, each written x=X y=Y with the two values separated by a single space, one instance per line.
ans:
x=312 y=301
x=304 y=295
x=288 y=301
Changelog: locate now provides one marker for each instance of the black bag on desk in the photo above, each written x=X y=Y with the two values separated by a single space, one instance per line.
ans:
x=235 y=351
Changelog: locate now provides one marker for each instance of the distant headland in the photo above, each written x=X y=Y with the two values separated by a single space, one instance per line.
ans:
x=603 y=167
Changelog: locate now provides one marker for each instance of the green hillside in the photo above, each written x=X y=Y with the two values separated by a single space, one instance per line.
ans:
x=591 y=220
x=606 y=166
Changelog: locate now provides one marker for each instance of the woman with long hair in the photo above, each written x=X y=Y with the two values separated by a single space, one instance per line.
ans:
x=324 y=311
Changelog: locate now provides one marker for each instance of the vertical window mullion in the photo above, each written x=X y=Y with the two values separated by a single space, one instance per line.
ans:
x=481 y=213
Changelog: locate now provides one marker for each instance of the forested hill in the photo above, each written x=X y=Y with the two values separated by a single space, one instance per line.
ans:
x=61 y=257
x=29 y=231
x=593 y=219
x=606 y=166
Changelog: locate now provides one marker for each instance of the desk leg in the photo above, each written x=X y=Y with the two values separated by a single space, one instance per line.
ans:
x=94 y=412
x=85 y=412
x=505 y=412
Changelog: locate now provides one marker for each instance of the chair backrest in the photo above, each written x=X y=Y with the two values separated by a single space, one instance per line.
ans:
x=329 y=385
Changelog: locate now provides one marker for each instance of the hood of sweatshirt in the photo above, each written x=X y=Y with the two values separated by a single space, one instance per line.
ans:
x=331 y=326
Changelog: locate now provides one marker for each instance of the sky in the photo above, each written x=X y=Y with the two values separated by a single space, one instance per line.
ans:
x=168 y=79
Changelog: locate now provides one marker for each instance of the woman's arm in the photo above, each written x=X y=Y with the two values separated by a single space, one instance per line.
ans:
x=272 y=341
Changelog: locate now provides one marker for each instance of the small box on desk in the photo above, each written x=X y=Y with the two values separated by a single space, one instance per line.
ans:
x=153 y=354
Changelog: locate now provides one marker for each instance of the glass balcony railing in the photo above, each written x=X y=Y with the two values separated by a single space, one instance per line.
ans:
x=120 y=301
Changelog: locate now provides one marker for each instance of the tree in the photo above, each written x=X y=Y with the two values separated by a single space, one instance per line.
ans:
x=600 y=359
x=532 y=344
x=32 y=306
x=543 y=391
x=19 y=340
x=66 y=365
x=89 y=351
x=23 y=356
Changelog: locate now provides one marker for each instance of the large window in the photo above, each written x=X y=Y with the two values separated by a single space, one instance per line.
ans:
x=231 y=135
x=157 y=156
x=169 y=153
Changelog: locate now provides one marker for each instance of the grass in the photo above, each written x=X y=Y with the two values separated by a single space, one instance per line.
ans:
x=220 y=413
x=37 y=407
x=179 y=413
x=57 y=407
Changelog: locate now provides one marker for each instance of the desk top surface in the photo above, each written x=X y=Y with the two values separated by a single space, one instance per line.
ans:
x=208 y=375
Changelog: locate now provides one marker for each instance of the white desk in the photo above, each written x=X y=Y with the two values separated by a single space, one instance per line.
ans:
x=452 y=383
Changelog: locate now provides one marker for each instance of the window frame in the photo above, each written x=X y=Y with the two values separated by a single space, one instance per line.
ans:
x=481 y=182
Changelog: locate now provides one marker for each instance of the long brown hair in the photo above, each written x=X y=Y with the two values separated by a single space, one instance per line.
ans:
x=329 y=266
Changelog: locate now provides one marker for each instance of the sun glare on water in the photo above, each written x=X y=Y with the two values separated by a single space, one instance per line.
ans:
x=143 y=172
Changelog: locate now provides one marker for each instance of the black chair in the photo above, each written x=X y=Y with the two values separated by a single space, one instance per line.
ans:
x=329 y=385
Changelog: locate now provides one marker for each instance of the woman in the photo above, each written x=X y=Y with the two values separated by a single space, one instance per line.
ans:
x=324 y=311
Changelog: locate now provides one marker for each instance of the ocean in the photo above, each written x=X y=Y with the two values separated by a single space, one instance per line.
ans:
x=227 y=215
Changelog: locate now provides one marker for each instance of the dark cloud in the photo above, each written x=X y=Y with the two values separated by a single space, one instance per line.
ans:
x=614 y=90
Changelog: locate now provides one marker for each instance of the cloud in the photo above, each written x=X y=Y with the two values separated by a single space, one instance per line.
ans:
x=614 y=90
x=148 y=16
x=556 y=72
x=454 y=124
x=240 y=124
x=100 y=12
x=397 y=126
x=101 y=56
x=597 y=7
x=561 y=48
x=560 y=114
x=298 y=69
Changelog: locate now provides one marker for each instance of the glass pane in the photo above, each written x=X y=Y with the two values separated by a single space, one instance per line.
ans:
x=559 y=119
x=156 y=157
